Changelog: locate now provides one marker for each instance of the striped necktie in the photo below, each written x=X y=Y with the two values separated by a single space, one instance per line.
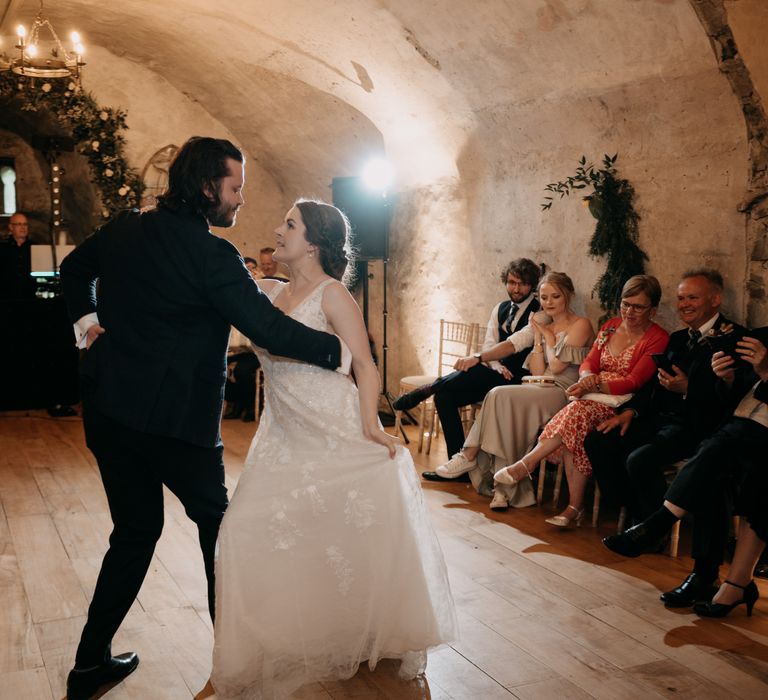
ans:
x=693 y=339
x=510 y=317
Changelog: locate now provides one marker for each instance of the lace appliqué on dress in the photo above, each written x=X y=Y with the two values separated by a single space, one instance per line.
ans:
x=341 y=567
x=283 y=530
x=359 y=510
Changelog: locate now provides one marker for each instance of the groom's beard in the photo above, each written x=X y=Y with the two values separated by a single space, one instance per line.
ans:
x=223 y=216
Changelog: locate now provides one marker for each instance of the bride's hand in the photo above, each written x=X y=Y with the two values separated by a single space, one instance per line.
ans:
x=389 y=441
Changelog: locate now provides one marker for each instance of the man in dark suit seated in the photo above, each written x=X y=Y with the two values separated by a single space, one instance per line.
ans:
x=478 y=374
x=153 y=374
x=673 y=413
x=706 y=484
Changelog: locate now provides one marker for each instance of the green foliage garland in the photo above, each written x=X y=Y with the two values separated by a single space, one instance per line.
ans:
x=616 y=232
x=96 y=130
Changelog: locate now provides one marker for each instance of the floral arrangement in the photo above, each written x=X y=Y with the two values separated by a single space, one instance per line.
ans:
x=97 y=132
x=616 y=234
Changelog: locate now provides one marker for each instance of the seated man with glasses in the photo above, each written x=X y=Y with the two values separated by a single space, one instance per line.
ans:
x=667 y=420
x=475 y=376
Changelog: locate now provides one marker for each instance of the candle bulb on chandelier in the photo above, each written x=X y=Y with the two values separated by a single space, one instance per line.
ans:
x=21 y=32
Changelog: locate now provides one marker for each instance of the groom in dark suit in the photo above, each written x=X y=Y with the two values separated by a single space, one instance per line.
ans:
x=156 y=329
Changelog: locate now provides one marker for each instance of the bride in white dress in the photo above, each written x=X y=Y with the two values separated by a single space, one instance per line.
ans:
x=326 y=557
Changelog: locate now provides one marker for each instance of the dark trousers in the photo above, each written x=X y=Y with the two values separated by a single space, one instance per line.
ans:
x=629 y=469
x=459 y=389
x=134 y=467
x=706 y=485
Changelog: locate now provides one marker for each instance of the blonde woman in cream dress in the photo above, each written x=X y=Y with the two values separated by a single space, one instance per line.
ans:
x=511 y=416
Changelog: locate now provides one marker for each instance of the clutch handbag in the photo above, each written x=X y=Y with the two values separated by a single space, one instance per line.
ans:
x=612 y=400
x=541 y=379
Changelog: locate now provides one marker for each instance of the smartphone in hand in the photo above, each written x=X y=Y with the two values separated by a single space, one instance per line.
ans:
x=663 y=362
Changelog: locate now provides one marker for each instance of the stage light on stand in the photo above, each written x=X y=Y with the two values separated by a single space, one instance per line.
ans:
x=378 y=175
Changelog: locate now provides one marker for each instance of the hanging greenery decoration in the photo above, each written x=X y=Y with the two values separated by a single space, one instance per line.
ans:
x=616 y=232
x=97 y=132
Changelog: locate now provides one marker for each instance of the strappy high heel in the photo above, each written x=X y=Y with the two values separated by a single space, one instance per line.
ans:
x=712 y=609
x=504 y=477
x=564 y=520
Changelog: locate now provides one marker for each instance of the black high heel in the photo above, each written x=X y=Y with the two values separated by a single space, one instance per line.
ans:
x=710 y=609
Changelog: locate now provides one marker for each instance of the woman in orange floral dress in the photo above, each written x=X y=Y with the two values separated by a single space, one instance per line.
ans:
x=620 y=362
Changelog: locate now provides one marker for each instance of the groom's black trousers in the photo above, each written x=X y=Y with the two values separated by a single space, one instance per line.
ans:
x=134 y=466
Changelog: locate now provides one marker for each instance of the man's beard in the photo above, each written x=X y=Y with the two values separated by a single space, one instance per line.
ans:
x=223 y=216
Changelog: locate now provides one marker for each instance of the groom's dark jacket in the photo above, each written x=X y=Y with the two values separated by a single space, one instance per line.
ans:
x=168 y=291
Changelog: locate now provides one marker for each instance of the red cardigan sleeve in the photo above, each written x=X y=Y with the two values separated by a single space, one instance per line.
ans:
x=642 y=366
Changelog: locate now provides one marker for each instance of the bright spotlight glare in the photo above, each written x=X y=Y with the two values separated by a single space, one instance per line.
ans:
x=378 y=175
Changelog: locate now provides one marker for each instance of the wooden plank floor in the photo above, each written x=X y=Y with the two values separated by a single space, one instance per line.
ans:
x=544 y=613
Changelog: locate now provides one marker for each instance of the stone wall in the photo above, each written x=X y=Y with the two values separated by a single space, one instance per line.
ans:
x=681 y=141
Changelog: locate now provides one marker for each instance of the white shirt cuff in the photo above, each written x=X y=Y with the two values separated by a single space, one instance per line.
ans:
x=346 y=358
x=81 y=328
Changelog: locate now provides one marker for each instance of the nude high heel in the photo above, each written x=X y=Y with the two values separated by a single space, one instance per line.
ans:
x=504 y=477
x=564 y=520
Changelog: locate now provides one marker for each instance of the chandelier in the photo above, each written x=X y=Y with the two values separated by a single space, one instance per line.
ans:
x=45 y=56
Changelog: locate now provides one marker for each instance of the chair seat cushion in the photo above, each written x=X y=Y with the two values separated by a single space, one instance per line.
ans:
x=416 y=380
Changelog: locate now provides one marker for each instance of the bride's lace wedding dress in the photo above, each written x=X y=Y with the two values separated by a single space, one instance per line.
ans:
x=326 y=558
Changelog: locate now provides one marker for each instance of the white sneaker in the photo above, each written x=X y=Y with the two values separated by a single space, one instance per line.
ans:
x=499 y=501
x=456 y=466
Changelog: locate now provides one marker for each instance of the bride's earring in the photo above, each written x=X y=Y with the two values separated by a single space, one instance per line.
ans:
x=311 y=253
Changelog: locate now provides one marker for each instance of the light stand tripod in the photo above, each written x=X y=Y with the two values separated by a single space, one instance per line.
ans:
x=369 y=212
x=384 y=347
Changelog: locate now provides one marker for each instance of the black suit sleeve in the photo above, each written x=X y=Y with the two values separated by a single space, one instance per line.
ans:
x=233 y=293
x=79 y=272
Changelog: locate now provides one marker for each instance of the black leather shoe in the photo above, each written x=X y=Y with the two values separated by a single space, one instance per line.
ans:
x=711 y=609
x=633 y=542
x=690 y=591
x=434 y=476
x=413 y=398
x=61 y=411
x=82 y=685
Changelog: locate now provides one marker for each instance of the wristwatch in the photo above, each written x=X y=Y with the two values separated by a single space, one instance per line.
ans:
x=478 y=356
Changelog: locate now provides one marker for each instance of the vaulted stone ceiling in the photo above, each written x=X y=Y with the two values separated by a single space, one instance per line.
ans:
x=311 y=87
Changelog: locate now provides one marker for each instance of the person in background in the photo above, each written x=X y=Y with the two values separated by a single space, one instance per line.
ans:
x=499 y=363
x=620 y=362
x=253 y=268
x=16 y=281
x=269 y=266
x=511 y=416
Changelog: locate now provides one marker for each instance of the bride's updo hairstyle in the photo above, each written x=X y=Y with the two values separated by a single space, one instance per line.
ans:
x=329 y=230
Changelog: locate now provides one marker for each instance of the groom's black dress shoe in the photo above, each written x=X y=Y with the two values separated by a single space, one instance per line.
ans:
x=82 y=685
x=635 y=541
x=690 y=591
x=434 y=476
x=413 y=398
